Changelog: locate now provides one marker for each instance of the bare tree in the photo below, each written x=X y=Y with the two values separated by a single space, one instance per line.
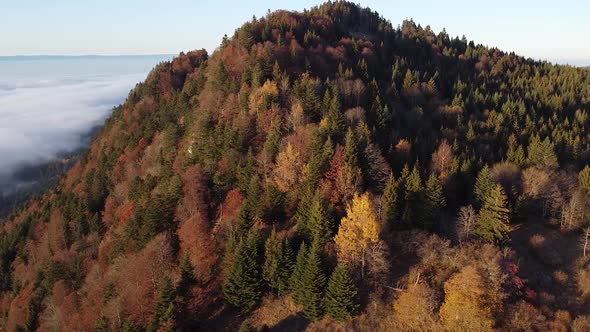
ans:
x=466 y=221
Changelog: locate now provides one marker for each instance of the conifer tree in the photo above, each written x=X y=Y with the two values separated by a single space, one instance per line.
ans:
x=413 y=196
x=483 y=185
x=242 y=287
x=187 y=274
x=335 y=119
x=494 y=217
x=296 y=279
x=313 y=284
x=434 y=201
x=319 y=224
x=273 y=250
x=389 y=201
x=165 y=306
x=286 y=267
x=341 y=294
x=584 y=179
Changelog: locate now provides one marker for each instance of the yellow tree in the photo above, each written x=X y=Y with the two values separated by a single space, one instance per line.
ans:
x=465 y=307
x=357 y=231
x=288 y=170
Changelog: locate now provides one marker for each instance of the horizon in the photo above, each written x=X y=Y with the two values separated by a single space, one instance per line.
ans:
x=130 y=30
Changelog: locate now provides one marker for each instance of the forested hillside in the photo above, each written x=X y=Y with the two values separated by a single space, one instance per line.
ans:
x=321 y=170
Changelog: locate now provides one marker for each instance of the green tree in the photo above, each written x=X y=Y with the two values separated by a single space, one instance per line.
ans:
x=296 y=279
x=541 y=153
x=389 y=201
x=242 y=287
x=494 y=217
x=273 y=251
x=483 y=185
x=413 y=193
x=584 y=179
x=320 y=225
x=313 y=284
x=286 y=267
x=341 y=294
x=187 y=274
x=165 y=307
x=434 y=201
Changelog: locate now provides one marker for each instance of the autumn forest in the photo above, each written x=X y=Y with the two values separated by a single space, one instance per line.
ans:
x=321 y=170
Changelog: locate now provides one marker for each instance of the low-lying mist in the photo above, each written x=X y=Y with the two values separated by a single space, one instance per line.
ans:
x=48 y=106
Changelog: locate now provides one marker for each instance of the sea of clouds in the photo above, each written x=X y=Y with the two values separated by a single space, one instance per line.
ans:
x=47 y=106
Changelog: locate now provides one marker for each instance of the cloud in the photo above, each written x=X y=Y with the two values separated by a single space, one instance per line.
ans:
x=40 y=118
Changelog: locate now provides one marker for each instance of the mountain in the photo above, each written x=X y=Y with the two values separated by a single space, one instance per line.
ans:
x=321 y=170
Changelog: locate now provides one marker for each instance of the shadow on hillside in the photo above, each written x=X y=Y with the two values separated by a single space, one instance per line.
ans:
x=291 y=324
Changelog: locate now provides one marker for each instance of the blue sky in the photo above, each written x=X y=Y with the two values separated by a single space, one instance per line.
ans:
x=553 y=30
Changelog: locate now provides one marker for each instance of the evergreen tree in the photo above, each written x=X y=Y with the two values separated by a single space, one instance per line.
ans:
x=334 y=118
x=494 y=217
x=313 y=284
x=541 y=153
x=584 y=179
x=242 y=287
x=389 y=201
x=413 y=197
x=187 y=274
x=483 y=185
x=341 y=294
x=273 y=250
x=434 y=201
x=320 y=225
x=286 y=267
x=296 y=279
x=165 y=307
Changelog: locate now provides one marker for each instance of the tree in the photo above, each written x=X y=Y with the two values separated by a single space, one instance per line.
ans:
x=413 y=193
x=242 y=287
x=286 y=267
x=288 y=170
x=483 y=185
x=187 y=274
x=494 y=217
x=165 y=308
x=414 y=308
x=464 y=307
x=541 y=153
x=357 y=231
x=319 y=224
x=296 y=279
x=466 y=221
x=584 y=179
x=434 y=202
x=312 y=284
x=442 y=160
x=341 y=294
x=389 y=201
x=273 y=250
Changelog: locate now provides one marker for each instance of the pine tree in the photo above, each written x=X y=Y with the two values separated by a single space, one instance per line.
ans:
x=319 y=224
x=434 y=201
x=335 y=119
x=541 y=153
x=273 y=250
x=494 y=217
x=413 y=196
x=187 y=275
x=483 y=185
x=341 y=294
x=313 y=284
x=286 y=267
x=242 y=288
x=584 y=179
x=389 y=201
x=296 y=279
x=165 y=307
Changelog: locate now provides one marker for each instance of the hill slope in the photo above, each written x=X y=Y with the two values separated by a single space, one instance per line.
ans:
x=319 y=165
